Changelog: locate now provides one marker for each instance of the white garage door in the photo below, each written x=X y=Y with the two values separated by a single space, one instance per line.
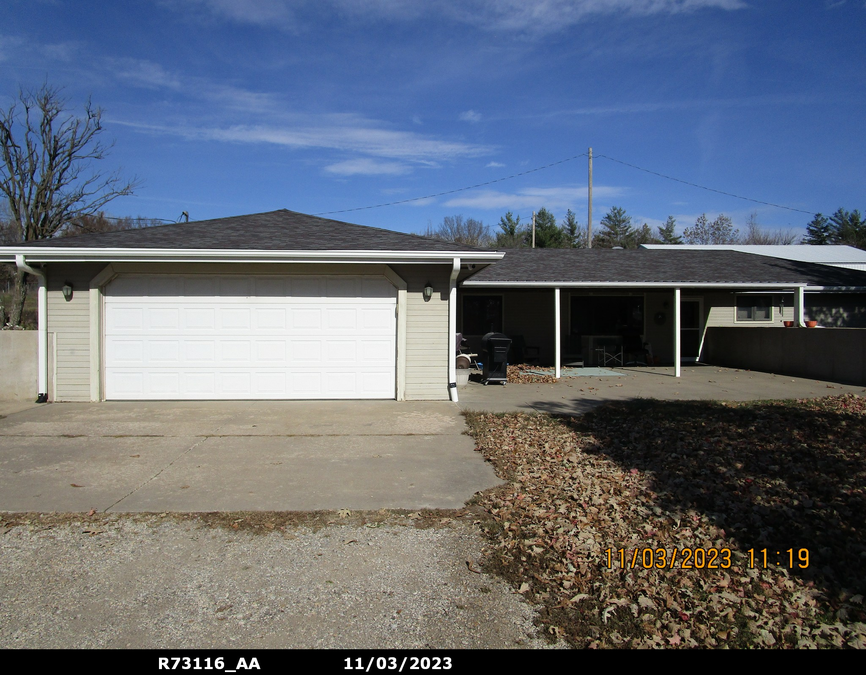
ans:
x=250 y=337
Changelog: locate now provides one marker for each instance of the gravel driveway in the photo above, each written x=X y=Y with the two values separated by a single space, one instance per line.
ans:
x=379 y=580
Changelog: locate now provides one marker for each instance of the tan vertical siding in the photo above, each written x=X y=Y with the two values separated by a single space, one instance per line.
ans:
x=426 y=332
x=70 y=323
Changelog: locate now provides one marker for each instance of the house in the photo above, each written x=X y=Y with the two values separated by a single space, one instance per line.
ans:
x=277 y=305
x=596 y=298
x=283 y=305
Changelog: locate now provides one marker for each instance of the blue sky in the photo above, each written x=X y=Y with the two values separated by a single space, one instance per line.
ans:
x=226 y=107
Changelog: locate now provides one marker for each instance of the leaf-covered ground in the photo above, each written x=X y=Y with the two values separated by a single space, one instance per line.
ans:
x=591 y=503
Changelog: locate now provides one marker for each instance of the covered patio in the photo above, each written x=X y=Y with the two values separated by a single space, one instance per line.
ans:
x=612 y=308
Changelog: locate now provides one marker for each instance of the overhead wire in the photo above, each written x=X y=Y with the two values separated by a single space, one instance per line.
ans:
x=563 y=161
x=702 y=187
x=449 y=192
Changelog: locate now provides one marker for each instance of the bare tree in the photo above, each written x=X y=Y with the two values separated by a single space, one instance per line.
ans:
x=719 y=231
x=756 y=234
x=45 y=169
x=99 y=222
x=470 y=232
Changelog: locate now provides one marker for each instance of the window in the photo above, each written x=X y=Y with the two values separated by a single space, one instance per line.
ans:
x=754 y=308
x=482 y=314
x=606 y=315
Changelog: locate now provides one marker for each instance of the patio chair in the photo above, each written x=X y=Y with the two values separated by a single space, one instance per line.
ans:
x=572 y=351
x=633 y=347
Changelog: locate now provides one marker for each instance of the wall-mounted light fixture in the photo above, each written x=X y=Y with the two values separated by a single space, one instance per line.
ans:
x=67 y=291
x=428 y=291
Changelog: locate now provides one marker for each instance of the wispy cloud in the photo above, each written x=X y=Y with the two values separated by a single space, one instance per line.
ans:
x=538 y=17
x=493 y=165
x=367 y=167
x=470 y=116
x=559 y=197
x=268 y=13
x=147 y=74
x=350 y=133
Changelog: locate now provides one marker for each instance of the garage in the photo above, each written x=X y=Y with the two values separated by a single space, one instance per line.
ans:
x=249 y=337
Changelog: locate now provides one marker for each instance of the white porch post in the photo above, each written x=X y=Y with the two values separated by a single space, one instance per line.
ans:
x=677 y=347
x=452 y=331
x=558 y=334
x=799 y=304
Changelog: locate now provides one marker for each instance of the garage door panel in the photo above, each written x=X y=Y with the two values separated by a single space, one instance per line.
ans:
x=176 y=337
x=199 y=319
x=270 y=318
x=341 y=350
x=234 y=318
x=159 y=352
x=128 y=353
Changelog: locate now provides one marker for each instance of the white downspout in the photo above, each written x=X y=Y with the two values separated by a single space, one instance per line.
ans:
x=42 y=319
x=799 y=304
x=452 y=331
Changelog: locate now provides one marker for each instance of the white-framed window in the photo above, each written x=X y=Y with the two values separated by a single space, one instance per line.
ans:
x=754 y=308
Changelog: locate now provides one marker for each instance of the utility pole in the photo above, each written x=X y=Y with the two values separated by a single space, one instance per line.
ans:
x=533 y=229
x=589 y=216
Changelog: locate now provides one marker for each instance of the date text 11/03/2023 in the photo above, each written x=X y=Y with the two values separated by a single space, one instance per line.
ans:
x=703 y=558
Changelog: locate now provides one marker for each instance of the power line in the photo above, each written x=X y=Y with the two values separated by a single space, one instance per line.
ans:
x=704 y=187
x=449 y=192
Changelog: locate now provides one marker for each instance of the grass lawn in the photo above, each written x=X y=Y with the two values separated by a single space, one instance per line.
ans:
x=685 y=524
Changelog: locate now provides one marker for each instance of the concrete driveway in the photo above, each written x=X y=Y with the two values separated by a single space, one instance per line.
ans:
x=237 y=456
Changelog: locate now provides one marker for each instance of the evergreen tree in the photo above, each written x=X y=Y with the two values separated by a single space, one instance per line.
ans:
x=818 y=231
x=668 y=233
x=848 y=227
x=573 y=235
x=617 y=230
x=644 y=236
x=513 y=233
x=547 y=234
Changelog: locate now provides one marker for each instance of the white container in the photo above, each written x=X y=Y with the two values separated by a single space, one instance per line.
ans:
x=462 y=377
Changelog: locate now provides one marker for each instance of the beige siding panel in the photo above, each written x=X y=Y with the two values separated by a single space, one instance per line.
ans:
x=426 y=332
x=70 y=322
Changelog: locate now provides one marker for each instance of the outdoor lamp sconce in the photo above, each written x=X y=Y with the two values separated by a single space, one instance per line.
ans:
x=428 y=292
x=67 y=291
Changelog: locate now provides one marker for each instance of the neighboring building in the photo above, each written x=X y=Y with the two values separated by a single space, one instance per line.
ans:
x=835 y=255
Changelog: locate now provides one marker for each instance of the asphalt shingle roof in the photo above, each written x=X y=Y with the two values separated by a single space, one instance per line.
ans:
x=576 y=266
x=281 y=230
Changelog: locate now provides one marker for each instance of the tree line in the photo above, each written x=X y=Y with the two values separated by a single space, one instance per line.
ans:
x=616 y=230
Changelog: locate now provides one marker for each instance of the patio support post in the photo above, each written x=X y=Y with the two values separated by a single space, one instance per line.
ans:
x=558 y=333
x=799 y=304
x=677 y=346
x=452 y=331
x=42 y=320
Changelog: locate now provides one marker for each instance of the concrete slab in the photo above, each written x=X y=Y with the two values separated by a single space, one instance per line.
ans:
x=208 y=456
x=576 y=395
x=11 y=407
x=309 y=473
